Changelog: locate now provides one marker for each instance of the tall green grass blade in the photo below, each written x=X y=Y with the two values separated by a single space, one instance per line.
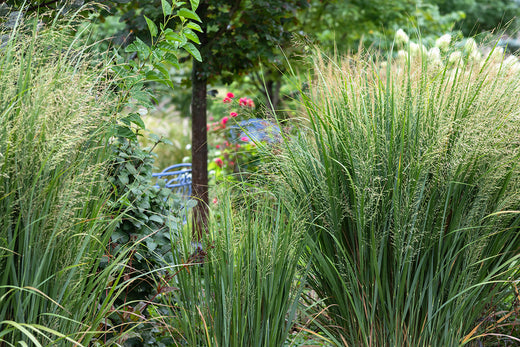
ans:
x=404 y=163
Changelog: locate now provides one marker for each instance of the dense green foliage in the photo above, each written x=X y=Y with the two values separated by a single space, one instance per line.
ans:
x=409 y=171
x=151 y=213
x=54 y=155
x=395 y=194
x=482 y=15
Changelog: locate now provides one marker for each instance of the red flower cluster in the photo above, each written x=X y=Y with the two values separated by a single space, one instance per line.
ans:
x=231 y=154
x=242 y=102
x=246 y=102
x=228 y=98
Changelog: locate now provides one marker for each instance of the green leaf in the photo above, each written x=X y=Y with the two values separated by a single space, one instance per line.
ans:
x=166 y=141
x=156 y=218
x=167 y=47
x=164 y=72
x=172 y=60
x=123 y=178
x=119 y=235
x=151 y=244
x=142 y=48
x=194 y=26
x=151 y=26
x=131 y=48
x=131 y=168
x=161 y=183
x=136 y=119
x=194 y=4
x=156 y=77
x=191 y=35
x=126 y=132
x=166 y=8
x=191 y=49
x=170 y=35
x=155 y=138
x=185 y=13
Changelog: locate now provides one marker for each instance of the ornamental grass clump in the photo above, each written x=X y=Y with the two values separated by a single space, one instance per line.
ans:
x=54 y=226
x=410 y=173
x=240 y=288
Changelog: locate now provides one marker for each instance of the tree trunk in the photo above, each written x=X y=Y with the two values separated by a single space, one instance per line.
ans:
x=199 y=151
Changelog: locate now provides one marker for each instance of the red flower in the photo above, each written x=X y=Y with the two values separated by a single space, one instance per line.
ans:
x=224 y=121
x=226 y=100
x=217 y=146
x=230 y=95
x=219 y=162
x=215 y=200
x=233 y=114
x=244 y=138
x=246 y=102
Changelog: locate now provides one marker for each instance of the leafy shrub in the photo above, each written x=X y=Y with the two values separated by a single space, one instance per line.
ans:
x=151 y=214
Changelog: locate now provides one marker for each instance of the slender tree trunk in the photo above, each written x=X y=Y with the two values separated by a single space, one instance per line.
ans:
x=199 y=150
x=272 y=95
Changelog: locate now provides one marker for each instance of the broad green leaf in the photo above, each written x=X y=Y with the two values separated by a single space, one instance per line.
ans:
x=168 y=47
x=131 y=168
x=185 y=13
x=156 y=77
x=142 y=48
x=156 y=218
x=119 y=235
x=151 y=244
x=161 y=183
x=155 y=137
x=131 y=48
x=172 y=60
x=164 y=72
x=194 y=26
x=123 y=178
x=194 y=4
x=136 y=119
x=151 y=26
x=170 y=35
x=191 y=35
x=142 y=97
x=166 y=8
x=166 y=141
x=123 y=131
x=191 y=49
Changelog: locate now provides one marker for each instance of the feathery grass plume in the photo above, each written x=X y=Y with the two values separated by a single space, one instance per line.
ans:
x=408 y=171
x=54 y=110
